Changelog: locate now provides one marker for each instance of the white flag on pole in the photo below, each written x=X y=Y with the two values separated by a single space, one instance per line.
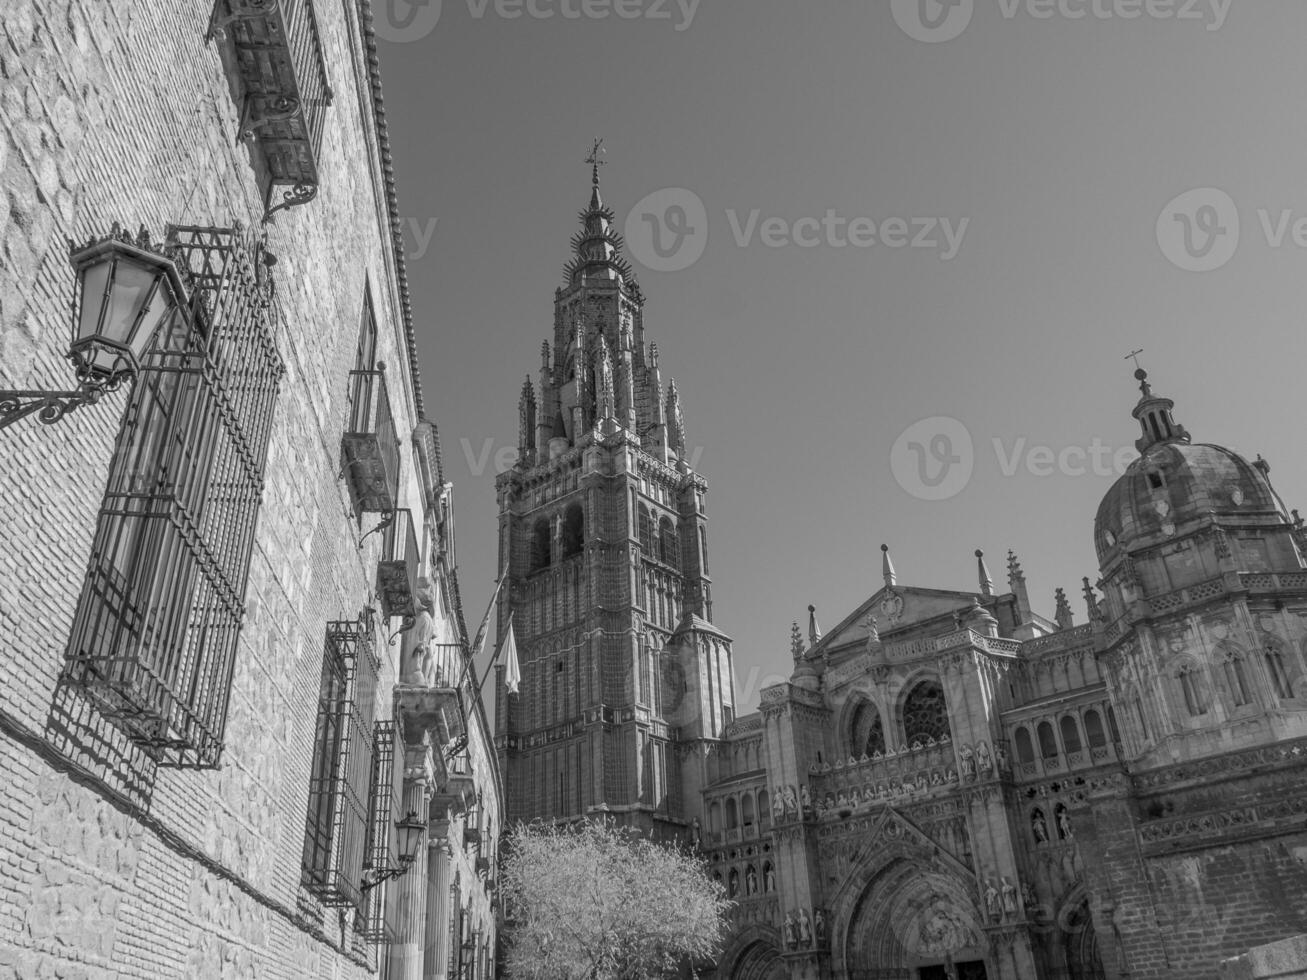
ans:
x=513 y=676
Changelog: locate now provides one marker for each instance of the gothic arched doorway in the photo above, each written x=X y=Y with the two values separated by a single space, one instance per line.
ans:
x=913 y=920
x=759 y=962
x=1080 y=943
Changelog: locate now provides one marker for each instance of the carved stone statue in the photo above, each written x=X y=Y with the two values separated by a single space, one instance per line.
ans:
x=791 y=931
x=819 y=925
x=804 y=797
x=420 y=668
x=1040 y=827
x=968 y=761
x=696 y=833
x=1009 y=897
x=751 y=881
x=791 y=807
x=983 y=758
x=805 y=928
x=1004 y=764
x=1064 y=824
x=777 y=807
x=769 y=879
x=993 y=901
x=1028 y=896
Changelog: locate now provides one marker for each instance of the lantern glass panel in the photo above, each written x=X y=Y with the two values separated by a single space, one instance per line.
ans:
x=124 y=299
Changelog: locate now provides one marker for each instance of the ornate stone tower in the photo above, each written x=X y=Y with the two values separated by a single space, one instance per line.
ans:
x=603 y=531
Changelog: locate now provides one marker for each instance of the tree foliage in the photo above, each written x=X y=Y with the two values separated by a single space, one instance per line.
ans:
x=594 y=902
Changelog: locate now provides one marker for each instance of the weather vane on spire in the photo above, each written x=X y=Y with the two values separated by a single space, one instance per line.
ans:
x=596 y=149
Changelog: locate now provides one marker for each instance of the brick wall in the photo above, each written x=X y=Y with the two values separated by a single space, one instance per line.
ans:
x=109 y=865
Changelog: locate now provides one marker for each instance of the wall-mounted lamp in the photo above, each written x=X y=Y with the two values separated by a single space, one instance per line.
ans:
x=411 y=832
x=126 y=288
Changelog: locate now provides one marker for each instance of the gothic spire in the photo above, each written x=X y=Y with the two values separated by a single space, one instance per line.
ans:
x=796 y=641
x=597 y=247
x=675 y=420
x=1091 y=601
x=1062 y=615
x=887 y=567
x=986 y=583
x=814 y=631
x=526 y=418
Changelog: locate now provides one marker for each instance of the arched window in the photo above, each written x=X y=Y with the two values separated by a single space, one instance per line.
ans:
x=764 y=809
x=746 y=810
x=715 y=817
x=573 y=530
x=732 y=814
x=1047 y=741
x=540 y=545
x=1192 y=689
x=1276 y=668
x=646 y=532
x=668 y=548
x=1070 y=734
x=866 y=732
x=925 y=715
x=1025 y=749
x=1235 y=678
x=1094 y=729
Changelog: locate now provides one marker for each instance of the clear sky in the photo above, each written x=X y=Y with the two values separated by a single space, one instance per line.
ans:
x=1051 y=146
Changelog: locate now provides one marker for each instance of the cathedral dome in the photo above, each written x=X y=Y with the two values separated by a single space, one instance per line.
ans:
x=1174 y=483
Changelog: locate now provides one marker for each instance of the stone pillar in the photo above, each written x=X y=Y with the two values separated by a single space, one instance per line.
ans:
x=406 y=952
x=436 y=957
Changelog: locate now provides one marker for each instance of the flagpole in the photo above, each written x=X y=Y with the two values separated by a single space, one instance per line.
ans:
x=470 y=663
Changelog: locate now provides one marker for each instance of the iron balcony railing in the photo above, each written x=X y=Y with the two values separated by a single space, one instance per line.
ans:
x=370 y=447
x=397 y=571
x=274 y=54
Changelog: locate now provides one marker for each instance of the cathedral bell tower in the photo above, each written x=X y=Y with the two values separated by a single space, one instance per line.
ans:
x=602 y=529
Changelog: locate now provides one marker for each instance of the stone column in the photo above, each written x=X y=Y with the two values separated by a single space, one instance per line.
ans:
x=436 y=958
x=406 y=952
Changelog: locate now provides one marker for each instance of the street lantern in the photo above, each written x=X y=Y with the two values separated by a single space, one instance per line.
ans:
x=411 y=830
x=126 y=288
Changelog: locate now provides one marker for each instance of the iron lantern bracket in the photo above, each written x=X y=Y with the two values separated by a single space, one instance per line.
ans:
x=48 y=406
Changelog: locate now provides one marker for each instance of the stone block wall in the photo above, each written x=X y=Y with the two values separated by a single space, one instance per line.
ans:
x=111 y=866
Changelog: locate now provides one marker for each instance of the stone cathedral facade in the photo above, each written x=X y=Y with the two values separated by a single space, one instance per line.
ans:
x=950 y=785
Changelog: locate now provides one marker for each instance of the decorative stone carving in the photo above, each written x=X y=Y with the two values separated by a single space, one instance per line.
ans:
x=1010 y=906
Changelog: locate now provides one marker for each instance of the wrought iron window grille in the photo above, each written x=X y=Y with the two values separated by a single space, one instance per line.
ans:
x=154 y=636
x=338 y=822
x=273 y=53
